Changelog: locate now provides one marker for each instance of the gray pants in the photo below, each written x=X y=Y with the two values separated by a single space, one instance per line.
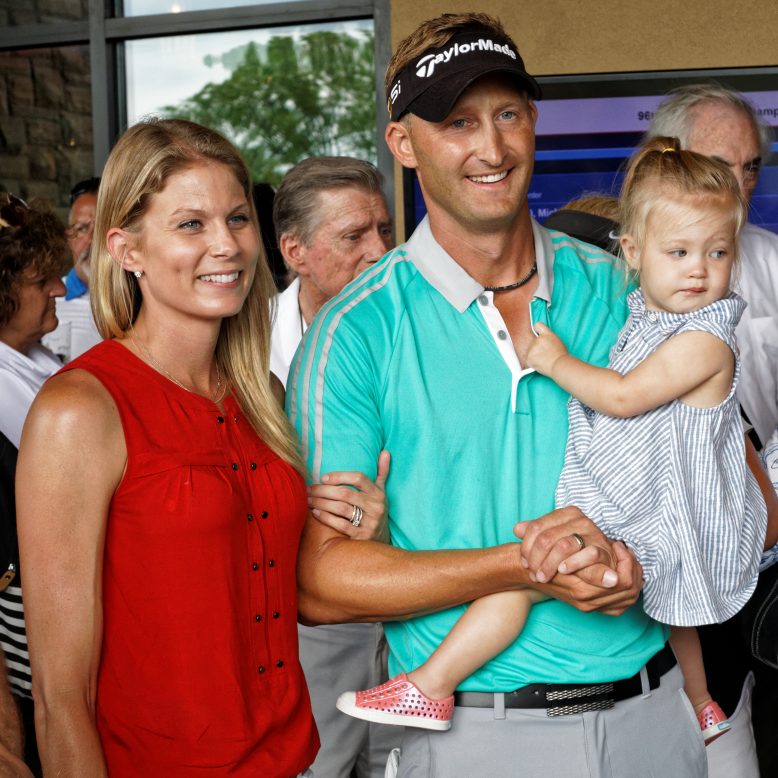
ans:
x=339 y=658
x=651 y=736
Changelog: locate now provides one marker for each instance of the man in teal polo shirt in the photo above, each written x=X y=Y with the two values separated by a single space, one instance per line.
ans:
x=423 y=355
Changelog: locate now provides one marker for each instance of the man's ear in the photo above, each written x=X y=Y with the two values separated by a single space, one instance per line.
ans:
x=630 y=250
x=119 y=243
x=398 y=139
x=294 y=252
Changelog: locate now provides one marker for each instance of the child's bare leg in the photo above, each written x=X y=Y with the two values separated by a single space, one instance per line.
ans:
x=489 y=625
x=686 y=645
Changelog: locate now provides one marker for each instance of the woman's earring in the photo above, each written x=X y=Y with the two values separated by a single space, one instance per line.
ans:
x=138 y=273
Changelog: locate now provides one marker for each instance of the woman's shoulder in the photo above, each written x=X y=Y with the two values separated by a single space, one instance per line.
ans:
x=73 y=402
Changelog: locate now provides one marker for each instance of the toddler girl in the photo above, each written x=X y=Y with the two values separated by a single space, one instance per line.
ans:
x=655 y=453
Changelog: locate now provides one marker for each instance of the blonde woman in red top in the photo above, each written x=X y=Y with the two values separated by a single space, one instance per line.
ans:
x=160 y=491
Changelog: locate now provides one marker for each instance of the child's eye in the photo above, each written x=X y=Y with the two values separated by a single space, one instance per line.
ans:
x=719 y=253
x=678 y=253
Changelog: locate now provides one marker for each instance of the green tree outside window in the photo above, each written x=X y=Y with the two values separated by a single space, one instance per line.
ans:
x=296 y=97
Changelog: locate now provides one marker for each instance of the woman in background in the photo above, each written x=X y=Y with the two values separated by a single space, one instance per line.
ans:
x=33 y=251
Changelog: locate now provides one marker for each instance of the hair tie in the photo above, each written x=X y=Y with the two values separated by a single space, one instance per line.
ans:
x=668 y=148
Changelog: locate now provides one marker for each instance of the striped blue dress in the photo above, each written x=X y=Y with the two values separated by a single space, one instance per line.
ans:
x=672 y=483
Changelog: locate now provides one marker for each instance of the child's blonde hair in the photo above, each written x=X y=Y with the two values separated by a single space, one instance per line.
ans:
x=661 y=170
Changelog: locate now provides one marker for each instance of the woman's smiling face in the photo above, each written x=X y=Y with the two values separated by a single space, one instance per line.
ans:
x=196 y=244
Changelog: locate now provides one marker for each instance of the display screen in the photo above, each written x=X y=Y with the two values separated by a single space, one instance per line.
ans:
x=588 y=127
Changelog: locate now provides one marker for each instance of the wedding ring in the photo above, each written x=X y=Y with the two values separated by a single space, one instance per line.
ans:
x=581 y=542
x=356 y=515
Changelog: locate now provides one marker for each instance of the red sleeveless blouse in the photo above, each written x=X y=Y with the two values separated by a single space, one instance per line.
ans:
x=199 y=672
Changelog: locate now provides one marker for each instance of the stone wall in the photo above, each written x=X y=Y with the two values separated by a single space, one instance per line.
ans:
x=45 y=122
x=45 y=107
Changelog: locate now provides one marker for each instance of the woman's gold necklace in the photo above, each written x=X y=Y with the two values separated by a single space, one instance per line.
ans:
x=218 y=392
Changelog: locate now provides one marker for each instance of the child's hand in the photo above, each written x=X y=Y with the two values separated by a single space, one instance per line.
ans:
x=545 y=350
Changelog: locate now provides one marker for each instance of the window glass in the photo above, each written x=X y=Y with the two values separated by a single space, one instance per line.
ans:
x=142 y=7
x=14 y=13
x=45 y=122
x=279 y=94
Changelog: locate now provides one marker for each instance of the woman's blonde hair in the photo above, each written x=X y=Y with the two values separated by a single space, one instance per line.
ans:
x=661 y=170
x=137 y=168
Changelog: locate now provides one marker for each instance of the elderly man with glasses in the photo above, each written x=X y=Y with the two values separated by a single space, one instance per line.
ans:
x=76 y=332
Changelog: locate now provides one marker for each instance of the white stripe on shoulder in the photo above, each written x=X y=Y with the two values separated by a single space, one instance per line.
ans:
x=587 y=252
x=312 y=335
x=369 y=283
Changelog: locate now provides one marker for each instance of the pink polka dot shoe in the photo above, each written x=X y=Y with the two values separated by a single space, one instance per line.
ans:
x=398 y=701
x=713 y=722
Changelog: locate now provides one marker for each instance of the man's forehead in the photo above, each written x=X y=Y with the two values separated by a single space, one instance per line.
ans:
x=349 y=203
x=718 y=129
x=84 y=202
x=348 y=197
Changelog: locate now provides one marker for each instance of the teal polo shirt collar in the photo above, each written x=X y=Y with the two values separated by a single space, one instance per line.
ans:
x=449 y=278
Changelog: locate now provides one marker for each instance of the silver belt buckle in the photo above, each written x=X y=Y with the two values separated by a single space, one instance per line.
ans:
x=567 y=702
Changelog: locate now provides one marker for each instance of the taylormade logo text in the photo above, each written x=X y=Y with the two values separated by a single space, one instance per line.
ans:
x=425 y=67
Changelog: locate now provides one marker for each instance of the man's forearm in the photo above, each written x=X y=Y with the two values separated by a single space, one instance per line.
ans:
x=768 y=492
x=345 y=580
x=11 y=738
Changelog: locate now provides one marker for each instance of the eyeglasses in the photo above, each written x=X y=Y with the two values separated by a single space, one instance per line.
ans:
x=79 y=229
x=87 y=186
x=11 y=210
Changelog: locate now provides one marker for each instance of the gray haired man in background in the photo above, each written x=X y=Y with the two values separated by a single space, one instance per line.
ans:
x=332 y=222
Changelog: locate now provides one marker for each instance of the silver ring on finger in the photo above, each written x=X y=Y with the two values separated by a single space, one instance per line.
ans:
x=578 y=539
x=356 y=515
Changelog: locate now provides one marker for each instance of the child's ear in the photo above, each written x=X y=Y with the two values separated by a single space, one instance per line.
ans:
x=630 y=250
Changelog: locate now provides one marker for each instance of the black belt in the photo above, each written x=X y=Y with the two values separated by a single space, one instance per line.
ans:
x=562 y=699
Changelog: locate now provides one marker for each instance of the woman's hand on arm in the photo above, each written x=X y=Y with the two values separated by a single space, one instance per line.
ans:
x=71 y=460
x=333 y=502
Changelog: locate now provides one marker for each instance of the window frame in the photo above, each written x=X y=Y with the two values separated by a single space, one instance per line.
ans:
x=105 y=36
